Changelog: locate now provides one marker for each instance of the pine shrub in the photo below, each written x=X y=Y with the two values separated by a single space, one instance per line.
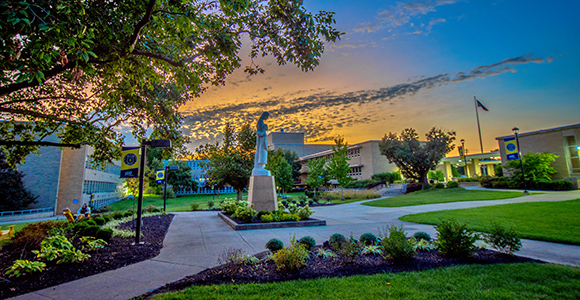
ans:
x=274 y=245
x=420 y=235
x=308 y=242
x=368 y=239
x=337 y=238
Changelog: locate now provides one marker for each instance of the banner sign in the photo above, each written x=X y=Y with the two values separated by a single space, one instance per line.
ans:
x=511 y=149
x=461 y=154
x=160 y=176
x=130 y=162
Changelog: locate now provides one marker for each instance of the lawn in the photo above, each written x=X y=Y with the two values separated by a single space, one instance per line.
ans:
x=442 y=196
x=545 y=221
x=507 y=281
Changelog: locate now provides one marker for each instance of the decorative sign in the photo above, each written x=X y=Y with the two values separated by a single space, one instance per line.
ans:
x=160 y=176
x=511 y=149
x=130 y=162
x=461 y=153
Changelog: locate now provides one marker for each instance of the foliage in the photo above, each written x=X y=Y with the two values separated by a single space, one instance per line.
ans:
x=280 y=169
x=412 y=158
x=12 y=191
x=104 y=234
x=23 y=267
x=337 y=238
x=437 y=174
x=72 y=256
x=195 y=206
x=293 y=208
x=414 y=187
x=305 y=212
x=349 y=249
x=232 y=161
x=267 y=218
x=92 y=244
x=422 y=245
x=386 y=176
x=452 y=184
x=395 y=244
x=308 y=242
x=274 y=245
x=360 y=184
x=338 y=166
x=368 y=239
x=503 y=239
x=250 y=260
x=439 y=185
x=290 y=218
x=229 y=205
x=118 y=215
x=91 y=230
x=555 y=185
x=454 y=239
x=100 y=220
x=128 y=214
x=210 y=204
x=31 y=236
x=537 y=166
x=468 y=179
x=372 y=249
x=325 y=253
x=134 y=64
x=232 y=257
x=79 y=227
x=90 y=222
x=246 y=213
x=316 y=173
x=421 y=235
x=291 y=258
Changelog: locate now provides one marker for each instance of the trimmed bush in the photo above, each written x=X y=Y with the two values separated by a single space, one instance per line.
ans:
x=439 y=185
x=100 y=221
x=368 y=239
x=454 y=239
x=414 y=186
x=105 y=234
x=503 y=239
x=290 y=217
x=118 y=215
x=91 y=222
x=246 y=214
x=310 y=202
x=284 y=202
x=308 y=242
x=107 y=219
x=420 y=235
x=267 y=218
x=452 y=184
x=337 y=238
x=394 y=243
x=549 y=185
x=127 y=214
x=91 y=230
x=274 y=245
x=80 y=227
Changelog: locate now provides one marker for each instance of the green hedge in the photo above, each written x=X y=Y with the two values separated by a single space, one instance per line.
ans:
x=506 y=183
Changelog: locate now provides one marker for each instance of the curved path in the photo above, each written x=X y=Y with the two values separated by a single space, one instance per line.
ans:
x=196 y=240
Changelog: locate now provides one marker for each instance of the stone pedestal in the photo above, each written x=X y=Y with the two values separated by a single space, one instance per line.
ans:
x=262 y=193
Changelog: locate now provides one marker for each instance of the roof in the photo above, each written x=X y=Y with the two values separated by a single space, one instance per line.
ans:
x=327 y=152
x=540 y=131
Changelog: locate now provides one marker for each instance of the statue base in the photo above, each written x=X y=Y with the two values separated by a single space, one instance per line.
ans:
x=262 y=193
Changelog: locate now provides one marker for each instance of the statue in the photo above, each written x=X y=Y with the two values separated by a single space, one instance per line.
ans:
x=261 y=157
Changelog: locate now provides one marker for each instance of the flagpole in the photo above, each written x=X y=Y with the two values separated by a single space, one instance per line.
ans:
x=478 y=127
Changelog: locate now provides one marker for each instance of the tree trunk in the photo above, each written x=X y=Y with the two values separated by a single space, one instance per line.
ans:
x=239 y=193
x=342 y=193
x=425 y=180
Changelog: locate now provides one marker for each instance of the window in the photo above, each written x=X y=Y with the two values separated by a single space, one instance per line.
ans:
x=572 y=154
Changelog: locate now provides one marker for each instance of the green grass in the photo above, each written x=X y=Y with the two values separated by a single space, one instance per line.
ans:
x=442 y=196
x=509 y=281
x=545 y=221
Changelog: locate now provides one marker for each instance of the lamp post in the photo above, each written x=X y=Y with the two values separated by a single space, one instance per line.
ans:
x=144 y=144
x=167 y=168
x=515 y=131
x=463 y=157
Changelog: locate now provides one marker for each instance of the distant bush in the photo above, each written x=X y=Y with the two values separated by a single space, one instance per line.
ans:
x=151 y=208
x=99 y=221
x=127 y=214
x=118 y=215
x=452 y=184
x=390 y=177
x=360 y=184
x=468 y=179
x=549 y=185
x=195 y=206
x=210 y=204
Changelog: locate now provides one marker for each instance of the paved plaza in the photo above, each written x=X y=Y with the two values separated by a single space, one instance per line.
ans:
x=195 y=241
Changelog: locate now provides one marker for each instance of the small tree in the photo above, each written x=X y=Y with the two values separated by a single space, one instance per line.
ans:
x=413 y=159
x=537 y=166
x=316 y=173
x=280 y=169
x=338 y=166
x=181 y=178
x=13 y=194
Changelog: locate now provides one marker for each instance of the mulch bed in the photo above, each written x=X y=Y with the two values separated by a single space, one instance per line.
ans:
x=317 y=267
x=117 y=254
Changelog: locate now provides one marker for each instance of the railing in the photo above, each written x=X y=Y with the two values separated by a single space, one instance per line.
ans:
x=26 y=211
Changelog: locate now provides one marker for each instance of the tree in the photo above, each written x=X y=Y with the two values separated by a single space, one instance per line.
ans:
x=13 y=194
x=537 y=166
x=292 y=158
x=85 y=70
x=413 y=159
x=338 y=166
x=181 y=178
x=231 y=162
x=316 y=174
x=280 y=169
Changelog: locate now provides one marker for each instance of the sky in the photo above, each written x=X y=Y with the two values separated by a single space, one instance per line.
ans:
x=415 y=64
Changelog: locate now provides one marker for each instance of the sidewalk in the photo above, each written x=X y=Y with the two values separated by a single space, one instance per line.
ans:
x=196 y=240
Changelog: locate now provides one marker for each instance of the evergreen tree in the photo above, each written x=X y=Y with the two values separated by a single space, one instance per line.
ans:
x=13 y=194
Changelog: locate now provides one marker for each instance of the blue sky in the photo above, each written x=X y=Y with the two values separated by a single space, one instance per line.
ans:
x=416 y=64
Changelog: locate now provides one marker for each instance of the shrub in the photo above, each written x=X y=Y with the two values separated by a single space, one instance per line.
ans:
x=195 y=206
x=274 y=245
x=267 y=218
x=325 y=253
x=30 y=237
x=284 y=202
x=439 y=185
x=337 y=238
x=349 y=249
x=305 y=212
x=118 y=215
x=99 y=221
x=487 y=181
x=394 y=243
x=102 y=209
x=308 y=242
x=92 y=244
x=151 y=208
x=503 y=239
x=229 y=205
x=72 y=256
x=246 y=213
x=91 y=230
x=263 y=212
x=91 y=222
x=368 y=239
x=79 y=227
x=291 y=258
x=293 y=208
x=104 y=234
x=549 y=185
x=290 y=217
x=452 y=184
x=468 y=179
x=372 y=249
x=22 y=267
x=52 y=247
x=210 y=204
x=422 y=245
x=310 y=202
x=107 y=219
x=454 y=239
x=414 y=186
x=294 y=202
x=302 y=202
x=127 y=214
x=420 y=235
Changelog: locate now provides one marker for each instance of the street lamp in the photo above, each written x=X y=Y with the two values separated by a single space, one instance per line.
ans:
x=463 y=157
x=144 y=144
x=515 y=130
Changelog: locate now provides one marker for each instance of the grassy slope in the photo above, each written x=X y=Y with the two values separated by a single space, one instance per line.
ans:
x=510 y=281
x=546 y=221
x=442 y=196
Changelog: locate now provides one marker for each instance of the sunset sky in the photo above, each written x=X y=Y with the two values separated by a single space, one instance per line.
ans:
x=415 y=64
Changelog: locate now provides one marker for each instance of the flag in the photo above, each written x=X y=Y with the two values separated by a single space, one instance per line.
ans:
x=481 y=105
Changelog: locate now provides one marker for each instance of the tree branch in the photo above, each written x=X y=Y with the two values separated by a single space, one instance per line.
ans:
x=146 y=18
x=7 y=89
x=157 y=56
x=24 y=143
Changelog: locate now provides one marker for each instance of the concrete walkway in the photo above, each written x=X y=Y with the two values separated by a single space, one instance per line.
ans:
x=196 y=240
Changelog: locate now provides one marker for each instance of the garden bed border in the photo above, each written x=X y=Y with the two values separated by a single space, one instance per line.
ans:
x=307 y=223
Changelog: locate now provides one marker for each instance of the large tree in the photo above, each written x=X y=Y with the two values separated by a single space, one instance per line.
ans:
x=414 y=158
x=84 y=70
x=13 y=194
x=338 y=166
x=232 y=161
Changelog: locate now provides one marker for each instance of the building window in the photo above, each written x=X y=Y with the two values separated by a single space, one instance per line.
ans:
x=573 y=160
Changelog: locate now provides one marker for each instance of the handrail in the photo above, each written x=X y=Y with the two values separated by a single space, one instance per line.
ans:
x=26 y=211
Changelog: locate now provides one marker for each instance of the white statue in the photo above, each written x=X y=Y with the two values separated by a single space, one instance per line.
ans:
x=261 y=157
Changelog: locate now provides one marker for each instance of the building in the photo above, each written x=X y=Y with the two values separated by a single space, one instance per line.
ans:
x=365 y=161
x=198 y=174
x=294 y=141
x=561 y=141
x=474 y=165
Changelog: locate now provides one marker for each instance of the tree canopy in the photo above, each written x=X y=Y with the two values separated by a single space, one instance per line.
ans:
x=280 y=169
x=13 y=194
x=86 y=70
x=537 y=166
x=338 y=166
x=413 y=158
x=317 y=174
